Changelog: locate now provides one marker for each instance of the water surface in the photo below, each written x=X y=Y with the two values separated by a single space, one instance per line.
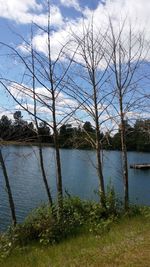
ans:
x=79 y=177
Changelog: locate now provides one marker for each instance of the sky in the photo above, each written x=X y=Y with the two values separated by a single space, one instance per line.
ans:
x=16 y=17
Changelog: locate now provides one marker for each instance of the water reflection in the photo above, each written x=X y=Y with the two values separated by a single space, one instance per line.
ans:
x=79 y=177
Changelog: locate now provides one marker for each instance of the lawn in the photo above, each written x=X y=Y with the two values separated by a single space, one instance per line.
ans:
x=127 y=243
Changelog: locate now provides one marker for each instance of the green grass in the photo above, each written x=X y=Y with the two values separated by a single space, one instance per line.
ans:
x=126 y=244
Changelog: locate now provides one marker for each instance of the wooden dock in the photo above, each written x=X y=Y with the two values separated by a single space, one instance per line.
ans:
x=143 y=166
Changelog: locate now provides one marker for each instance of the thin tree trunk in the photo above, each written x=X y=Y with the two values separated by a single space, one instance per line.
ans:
x=44 y=175
x=99 y=166
x=37 y=127
x=55 y=131
x=58 y=161
x=59 y=176
x=124 y=158
x=98 y=147
x=99 y=171
x=125 y=167
x=10 y=197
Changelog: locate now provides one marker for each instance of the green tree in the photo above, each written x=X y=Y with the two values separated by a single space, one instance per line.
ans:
x=5 y=128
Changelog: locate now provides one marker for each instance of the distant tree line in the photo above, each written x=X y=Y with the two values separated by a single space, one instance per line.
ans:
x=137 y=136
x=22 y=130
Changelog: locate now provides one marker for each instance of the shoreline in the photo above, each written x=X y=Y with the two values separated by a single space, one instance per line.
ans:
x=24 y=143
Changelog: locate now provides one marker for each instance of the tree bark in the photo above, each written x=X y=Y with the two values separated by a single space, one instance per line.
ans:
x=44 y=176
x=99 y=170
x=10 y=197
x=98 y=146
x=58 y=161
x=124 y=157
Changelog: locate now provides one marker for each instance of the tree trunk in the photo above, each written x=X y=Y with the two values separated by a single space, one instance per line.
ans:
x=58 y=161
x=125 y=166
x=99 y=167
x=58 y=170
x=98 y=148
x=124 y=156
x=44 y=176
x=11 y=202
x=37 y=127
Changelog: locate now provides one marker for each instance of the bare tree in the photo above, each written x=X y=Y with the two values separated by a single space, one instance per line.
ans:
x=87 y=88
x=126 y=49
x=37 y=128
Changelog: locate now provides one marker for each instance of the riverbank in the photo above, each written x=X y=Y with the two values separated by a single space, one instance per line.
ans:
x=31 y=144
x=23 y=143
x=126 y=244
x=86 y=234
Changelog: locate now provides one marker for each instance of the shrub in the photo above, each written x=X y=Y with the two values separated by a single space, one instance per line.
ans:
x=43 y=224
x=114 y=205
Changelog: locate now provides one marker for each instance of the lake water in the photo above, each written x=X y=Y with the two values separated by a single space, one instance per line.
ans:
x=79 y=177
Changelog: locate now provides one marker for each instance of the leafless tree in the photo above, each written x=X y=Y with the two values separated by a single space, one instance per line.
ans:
x=45 y=180
x=89 y=88
x=127 y=54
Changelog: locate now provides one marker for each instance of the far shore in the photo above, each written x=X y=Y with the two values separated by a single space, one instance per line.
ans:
x=24 y=143
x=30 y=143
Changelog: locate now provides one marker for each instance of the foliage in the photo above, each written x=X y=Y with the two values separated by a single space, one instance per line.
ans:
x=126 y=244
x=137 y=137
x=44 y=225
x=114 y=204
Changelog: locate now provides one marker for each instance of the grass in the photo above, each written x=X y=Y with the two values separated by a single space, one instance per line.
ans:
x=126 y=244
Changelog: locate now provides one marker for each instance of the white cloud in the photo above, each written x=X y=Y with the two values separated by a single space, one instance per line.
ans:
x=7 y=113
x=30 y=108
x=137 y=115
x=21 y=6
x=135 y=11
x=71 y=3
x=58 y=41
x=56 y=16
x=26 y=11
x=24 y=95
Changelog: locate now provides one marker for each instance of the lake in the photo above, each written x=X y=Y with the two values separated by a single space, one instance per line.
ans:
x=79 y=177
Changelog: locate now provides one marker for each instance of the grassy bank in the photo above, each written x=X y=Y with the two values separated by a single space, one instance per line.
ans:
x=127 y=243
x=85 y=235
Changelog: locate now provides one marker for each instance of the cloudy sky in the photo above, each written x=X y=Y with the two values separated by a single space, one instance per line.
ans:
x=16 y=17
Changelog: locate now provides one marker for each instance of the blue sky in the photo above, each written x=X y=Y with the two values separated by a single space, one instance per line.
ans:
x=16 y=17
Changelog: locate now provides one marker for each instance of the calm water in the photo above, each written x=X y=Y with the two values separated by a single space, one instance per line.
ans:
x=79 y=177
